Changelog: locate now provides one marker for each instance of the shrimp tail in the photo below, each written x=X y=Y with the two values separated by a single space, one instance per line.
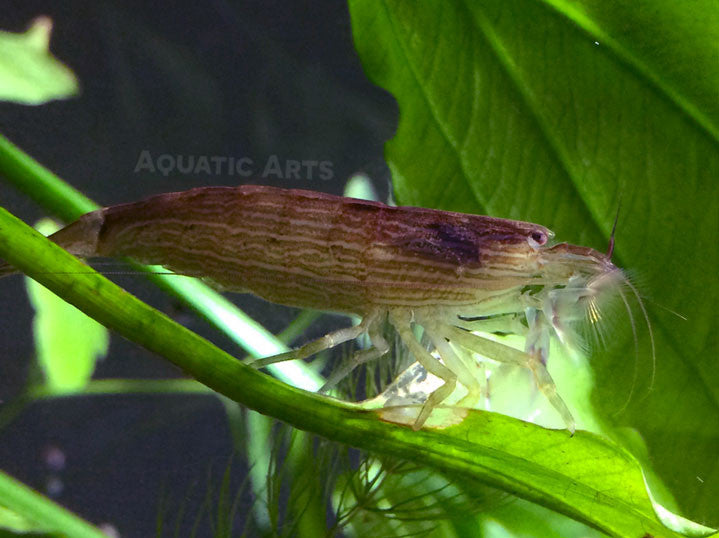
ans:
x=80 y=238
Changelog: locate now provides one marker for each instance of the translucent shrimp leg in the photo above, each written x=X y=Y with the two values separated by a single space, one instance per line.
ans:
x=502 y=353
x=327 y=341
x=379 y=347
x=401 y=320
x=506 y=323
x=455 y=363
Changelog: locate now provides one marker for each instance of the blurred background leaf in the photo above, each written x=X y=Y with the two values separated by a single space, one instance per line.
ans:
x=550 y=112
x=29 y=74
x=67 y=342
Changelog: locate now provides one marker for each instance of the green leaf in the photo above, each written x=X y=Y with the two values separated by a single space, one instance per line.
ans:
x=585 y=477
x=521 y=519
x=551 y=112
x=565 y=474
x=67 y=342
x=29 y=74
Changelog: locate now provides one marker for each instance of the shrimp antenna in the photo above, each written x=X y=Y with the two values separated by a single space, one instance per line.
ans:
x=649 y=329
x=610 y=250
x=636 y=295
x=636 y=348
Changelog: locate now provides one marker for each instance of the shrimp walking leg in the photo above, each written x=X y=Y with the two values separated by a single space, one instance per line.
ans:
x=401 y=320
x=508 y=323
x=379 y=348
x=327 y=341
x=454 y=362
x=502 y=353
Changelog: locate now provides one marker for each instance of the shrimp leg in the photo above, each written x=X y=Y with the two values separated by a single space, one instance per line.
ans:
x=503 y=353
x=506 y=323
x=327 y=341
x=401 y=320
x=455 y=363
x=379 y=348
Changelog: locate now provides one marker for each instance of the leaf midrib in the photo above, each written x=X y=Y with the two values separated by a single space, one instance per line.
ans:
x=640 y=68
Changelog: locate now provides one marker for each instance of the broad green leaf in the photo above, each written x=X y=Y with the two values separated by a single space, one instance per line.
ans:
x=563 y=462
x=521 y=519
x=551 y=112
x=29 y=74
x=585 y=477
x=67 y=342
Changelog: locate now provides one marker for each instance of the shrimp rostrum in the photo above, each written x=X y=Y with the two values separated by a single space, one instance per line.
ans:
x=450 y=273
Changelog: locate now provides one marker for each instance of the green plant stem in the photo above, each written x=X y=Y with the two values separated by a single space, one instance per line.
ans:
x=42 y=511
x=40 y=184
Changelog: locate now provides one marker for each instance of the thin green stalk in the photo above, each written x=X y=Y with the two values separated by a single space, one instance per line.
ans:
x=104 y=387
x=40 y=184
x=39 y=510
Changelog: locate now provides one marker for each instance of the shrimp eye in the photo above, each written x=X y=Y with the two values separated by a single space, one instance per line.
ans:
x=537 y=239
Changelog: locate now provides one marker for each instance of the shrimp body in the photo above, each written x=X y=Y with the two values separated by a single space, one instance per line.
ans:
x=311 y=249
x=407 y=265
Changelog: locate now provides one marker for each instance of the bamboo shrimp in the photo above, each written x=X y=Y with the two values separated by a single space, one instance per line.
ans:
x=450 y=273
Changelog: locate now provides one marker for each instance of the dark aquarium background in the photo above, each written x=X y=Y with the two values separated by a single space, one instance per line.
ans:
x=266 y=92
